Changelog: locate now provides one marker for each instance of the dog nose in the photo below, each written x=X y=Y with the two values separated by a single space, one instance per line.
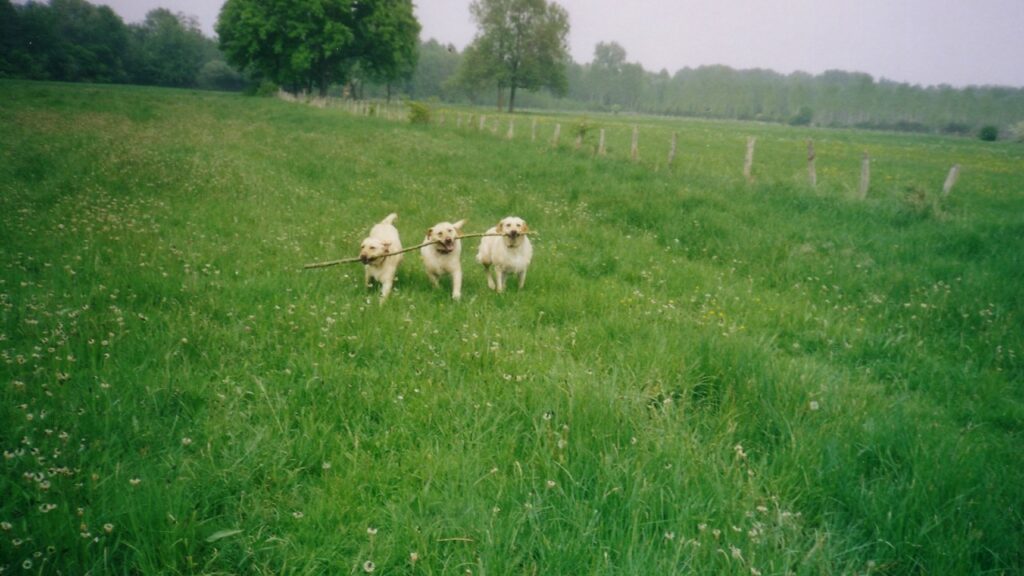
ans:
x=514 y=233
x=364 y=258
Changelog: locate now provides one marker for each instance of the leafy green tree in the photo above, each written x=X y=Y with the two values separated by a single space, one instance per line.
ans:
x=519 y=44
x=389 y=40
x=167 y=49
x=315 y=43
x=68 y=40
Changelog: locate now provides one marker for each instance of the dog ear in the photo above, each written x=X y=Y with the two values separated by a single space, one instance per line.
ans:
x=430 y=231
x=458 y=225
x=525 y=228
x=500 y=222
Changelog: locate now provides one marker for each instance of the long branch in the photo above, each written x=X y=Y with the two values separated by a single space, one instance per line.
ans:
x=402 y=251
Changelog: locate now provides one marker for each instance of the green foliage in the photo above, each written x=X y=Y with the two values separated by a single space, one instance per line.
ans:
x=266 y=89
x=803 y=117
x=988 y=133
x=698 y=371
x=1017 y=130
x=519 y=44
x=419 y=113
x=168 y=50
x=302 y=45
x=217 y=75
x=72 y=40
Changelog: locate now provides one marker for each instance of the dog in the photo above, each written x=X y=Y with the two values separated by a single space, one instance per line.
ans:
x=508 y=254
x=444 y=256
x=378 y=255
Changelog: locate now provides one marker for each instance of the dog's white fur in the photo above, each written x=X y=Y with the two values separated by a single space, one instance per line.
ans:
x=445 y=256
x=377 y=253
x=508 y=254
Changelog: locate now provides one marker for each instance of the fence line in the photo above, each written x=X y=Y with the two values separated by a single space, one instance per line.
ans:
x=399 y=111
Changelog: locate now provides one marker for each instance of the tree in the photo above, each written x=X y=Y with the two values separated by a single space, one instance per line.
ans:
x=307 y=43
x=389 y=37
x=167 y=49
x=519 y=44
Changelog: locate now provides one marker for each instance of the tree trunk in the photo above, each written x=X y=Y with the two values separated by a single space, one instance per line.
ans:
x=389 y=93
x=511 y=98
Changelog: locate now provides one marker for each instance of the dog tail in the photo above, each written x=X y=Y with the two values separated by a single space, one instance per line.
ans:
x=389 y=218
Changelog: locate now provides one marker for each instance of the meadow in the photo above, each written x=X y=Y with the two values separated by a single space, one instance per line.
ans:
x=701 y=376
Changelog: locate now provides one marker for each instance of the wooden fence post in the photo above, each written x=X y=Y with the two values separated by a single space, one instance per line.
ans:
x=672 y=148
x=558 y=132
x=511 y=129
x=458 y=121
x=954 y=173
x=812 y=174
x=533 y=131
x=483 y=121
x=865 y=176
x=634 y=149
x=600 y=144
x=748 y=163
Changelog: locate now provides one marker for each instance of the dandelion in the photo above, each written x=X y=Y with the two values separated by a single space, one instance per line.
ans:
x=813 y=405
x=549 y=415
x=297 y=514
x=371 y=531
x=5 y=526
x=670 y=535
x=737 y=554
x=551 y=484
x=325 y=466
x=369 y=566
x=186 y=441
x=135 y=481
x=108 y=527
x=414 y=557
x=27 y=564
x=44 y=508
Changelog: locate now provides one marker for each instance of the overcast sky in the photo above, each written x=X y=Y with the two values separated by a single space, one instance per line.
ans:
x=958 y=42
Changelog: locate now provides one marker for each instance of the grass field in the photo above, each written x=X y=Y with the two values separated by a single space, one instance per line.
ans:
x=700 y=376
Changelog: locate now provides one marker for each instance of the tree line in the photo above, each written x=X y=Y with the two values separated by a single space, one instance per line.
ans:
x=75 y=41
x=371 y=48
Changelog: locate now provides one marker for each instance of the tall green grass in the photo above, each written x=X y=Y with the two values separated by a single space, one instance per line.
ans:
x=700 y=376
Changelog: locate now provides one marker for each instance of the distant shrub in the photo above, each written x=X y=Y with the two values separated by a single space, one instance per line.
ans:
x=265 y=89
x=581 y=128
x=419 y=113
x=1017 y=130
x=803 y=117
x=217 y=75
x=988 y=133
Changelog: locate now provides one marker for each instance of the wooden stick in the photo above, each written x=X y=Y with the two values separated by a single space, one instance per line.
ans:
x=748 y=163
x=812 y=174
x=402 y=251
x=865 y=176
x=954 y=173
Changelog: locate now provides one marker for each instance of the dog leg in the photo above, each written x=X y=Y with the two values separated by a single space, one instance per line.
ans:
x=433 y=280
x=522 y=279
x=489 y=273
x=456 y=284
x=499 y=274
x=385 y=289
x=367 y=280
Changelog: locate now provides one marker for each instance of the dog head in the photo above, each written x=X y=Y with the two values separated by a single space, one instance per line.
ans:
x=446 y=235
x=372 y=248
x=512 y=228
